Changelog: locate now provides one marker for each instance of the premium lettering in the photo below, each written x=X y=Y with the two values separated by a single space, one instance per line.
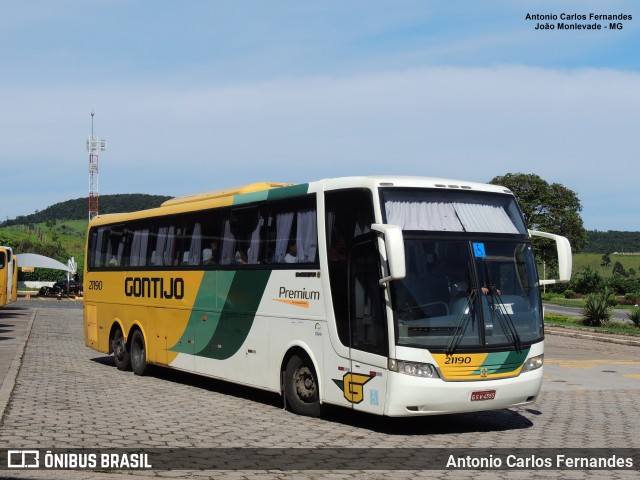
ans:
x=303 y=294
x=154 y=287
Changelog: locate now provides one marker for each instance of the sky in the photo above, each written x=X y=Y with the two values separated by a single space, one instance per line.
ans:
x=198 y=95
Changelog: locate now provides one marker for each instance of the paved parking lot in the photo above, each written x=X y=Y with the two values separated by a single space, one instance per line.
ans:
x=66 y=395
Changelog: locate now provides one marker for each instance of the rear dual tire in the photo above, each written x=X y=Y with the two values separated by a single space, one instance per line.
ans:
x=130 y=355
x=139 y=363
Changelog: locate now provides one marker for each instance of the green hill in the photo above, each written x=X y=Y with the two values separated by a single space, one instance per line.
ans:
x=77 y=209
x=612 y=241
x=59 y=231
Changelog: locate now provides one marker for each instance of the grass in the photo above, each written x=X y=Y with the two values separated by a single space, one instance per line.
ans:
x=594 y=260
x=577 y=302
x=69 y=234
x=613 y=327
x=564 y=302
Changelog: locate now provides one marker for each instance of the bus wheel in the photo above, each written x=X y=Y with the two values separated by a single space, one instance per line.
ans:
x=301 y=387
x=138 y=353
x=120 y=351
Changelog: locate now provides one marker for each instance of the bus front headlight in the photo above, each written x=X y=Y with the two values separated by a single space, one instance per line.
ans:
x=416 y=369
x=533 y=363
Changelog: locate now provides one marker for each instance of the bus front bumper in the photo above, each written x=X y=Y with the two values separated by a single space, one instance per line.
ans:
x=409 y=396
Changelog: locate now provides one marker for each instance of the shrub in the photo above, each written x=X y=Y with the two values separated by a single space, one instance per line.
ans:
x=597 y=308
x=623 y=285
x=634 y=316
x=547 y=296
x=586 y=280
x=568 y=293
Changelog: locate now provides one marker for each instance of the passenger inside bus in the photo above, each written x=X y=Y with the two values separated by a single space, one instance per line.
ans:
x=210 y=255
x=339 y=250
x=292 y=253
x=240 y=257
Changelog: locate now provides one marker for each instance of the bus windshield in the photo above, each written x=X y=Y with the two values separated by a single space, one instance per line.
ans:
x=452 y=211
x=466 y=294
x=471 y=280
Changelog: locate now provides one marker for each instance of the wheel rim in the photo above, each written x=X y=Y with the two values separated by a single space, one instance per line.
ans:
x=305 y=384
x=118 y=346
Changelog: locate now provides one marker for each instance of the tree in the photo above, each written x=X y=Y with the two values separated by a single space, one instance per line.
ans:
x=586 y=280
x=618 y=269
x=553 y=208
x=606 y=260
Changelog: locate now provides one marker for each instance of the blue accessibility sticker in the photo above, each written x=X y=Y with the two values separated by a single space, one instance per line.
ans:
x=478 y=250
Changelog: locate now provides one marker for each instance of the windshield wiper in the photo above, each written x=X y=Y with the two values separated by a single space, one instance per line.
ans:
x=461 y=324
x=498 y=310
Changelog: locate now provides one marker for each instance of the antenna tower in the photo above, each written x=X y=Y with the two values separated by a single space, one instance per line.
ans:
x=94 y=144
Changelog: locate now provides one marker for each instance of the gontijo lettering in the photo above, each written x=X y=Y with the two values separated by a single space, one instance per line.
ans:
x=154 y=287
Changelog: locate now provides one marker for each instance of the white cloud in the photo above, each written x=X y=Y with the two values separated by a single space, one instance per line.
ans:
x=575 y=127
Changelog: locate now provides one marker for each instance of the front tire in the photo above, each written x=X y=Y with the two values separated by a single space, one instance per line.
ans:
x=120 y=351
x=301 y=387
x=139 y=363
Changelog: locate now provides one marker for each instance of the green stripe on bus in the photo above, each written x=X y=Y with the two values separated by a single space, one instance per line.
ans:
x=273 y=194
x=288 y=192
x=218 y=326
x=212 y=295
x=238 y=314
x=223 y=313
x=250 y=197
x=503 y=362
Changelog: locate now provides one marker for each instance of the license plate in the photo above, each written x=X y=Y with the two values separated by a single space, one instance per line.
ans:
x=484 y=395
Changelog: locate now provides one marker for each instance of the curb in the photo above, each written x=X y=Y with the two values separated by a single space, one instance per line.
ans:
x=591 y=335
x=10 y=378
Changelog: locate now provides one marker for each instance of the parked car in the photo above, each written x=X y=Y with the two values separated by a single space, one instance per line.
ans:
x=62 y=287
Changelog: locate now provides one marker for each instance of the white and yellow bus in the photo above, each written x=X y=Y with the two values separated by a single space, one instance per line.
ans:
x=8 y=276
x=398 y=296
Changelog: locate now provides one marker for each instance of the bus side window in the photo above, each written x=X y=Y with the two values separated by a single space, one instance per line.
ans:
x=210 y=242
x=242 y=242
x=191 y=251
x=115 y=247
x=292 y=223
x=163 y=245
x=137 y=256
x=95 y=238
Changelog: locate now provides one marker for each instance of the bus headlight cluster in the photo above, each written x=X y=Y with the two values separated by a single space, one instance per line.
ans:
x=533 y=363
x=416 y=369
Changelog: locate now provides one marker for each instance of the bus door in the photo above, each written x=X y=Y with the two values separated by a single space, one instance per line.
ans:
x=3 y=277
x=14 y=290
x=10 y=276
x=368 y=347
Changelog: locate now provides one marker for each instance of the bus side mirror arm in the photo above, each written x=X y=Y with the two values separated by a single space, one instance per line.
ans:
x=563 y=249
x=394 y=246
